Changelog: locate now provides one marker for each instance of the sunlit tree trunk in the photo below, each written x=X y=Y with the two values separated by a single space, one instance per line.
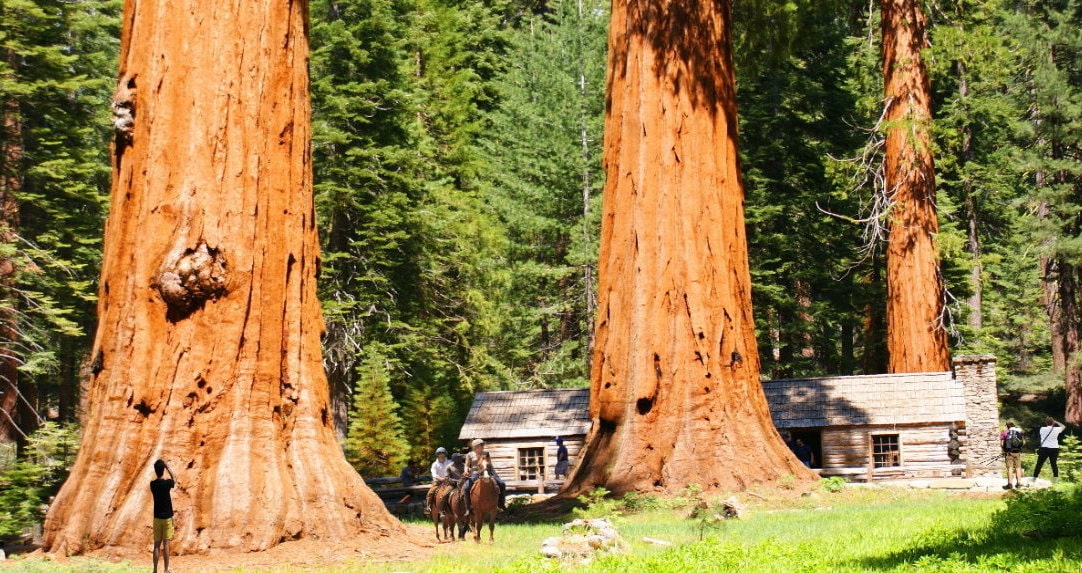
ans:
x=675 y=392
x=916 y=337
x=207 y=352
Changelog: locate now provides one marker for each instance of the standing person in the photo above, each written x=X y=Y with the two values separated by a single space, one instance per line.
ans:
x=473 y=469
x=562 y=460
x=439 y=477
x=803 y=452
x=1048 y=448
x=1011 y=440
x=163 y=512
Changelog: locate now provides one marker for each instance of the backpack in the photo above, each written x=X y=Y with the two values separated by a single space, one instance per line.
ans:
x=1014 y=440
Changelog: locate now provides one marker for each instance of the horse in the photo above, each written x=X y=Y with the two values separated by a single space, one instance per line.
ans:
x=440 y=506
x=484 y=500
x=455 y=512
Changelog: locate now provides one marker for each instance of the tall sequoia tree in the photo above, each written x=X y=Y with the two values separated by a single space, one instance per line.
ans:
x=916 y=338
x=207 y=352
x=675 y=394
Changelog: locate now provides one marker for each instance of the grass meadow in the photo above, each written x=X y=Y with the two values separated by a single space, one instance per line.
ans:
x=856 y=529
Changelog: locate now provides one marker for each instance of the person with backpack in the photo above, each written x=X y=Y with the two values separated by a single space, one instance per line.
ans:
x=1012 y=439
x=1049 y=446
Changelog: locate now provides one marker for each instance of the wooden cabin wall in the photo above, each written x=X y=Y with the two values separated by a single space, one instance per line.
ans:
x=923 y=450
x=504 y=454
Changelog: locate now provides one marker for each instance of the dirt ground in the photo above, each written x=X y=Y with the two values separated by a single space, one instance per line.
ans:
x=294 y=555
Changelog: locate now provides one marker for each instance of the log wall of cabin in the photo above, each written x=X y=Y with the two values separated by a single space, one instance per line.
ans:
x=504 y=454
x=922 y=450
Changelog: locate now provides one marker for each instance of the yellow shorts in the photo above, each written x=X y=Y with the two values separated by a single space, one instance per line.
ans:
x=1014 y=462
x=163 y=529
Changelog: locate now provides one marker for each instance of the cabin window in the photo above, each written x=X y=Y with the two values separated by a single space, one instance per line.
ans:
x=885 y=451
x=531 y=463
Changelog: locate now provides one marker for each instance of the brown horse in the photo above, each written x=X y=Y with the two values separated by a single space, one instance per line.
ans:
x=440 y=506
x=484 y=497
x=454 y=513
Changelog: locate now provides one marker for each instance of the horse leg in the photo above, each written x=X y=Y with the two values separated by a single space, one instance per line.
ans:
x=436 y=521
x=438 y=506
x=491 y=528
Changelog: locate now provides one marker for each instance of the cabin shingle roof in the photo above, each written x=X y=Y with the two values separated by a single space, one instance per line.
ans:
x=528 y=414
x=878 y=399
x=866 y=400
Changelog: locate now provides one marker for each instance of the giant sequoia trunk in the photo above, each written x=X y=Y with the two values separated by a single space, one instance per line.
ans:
x=916 y=339
x=207 y=352
x=675 y=393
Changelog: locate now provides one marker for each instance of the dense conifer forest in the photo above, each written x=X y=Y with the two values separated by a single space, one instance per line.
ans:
x=457 y=164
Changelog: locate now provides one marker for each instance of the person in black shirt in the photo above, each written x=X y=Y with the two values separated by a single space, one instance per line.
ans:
x=562 y=460
x=803 y=452
x=163 y=512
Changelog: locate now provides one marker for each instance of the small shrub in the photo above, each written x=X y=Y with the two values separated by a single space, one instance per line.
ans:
x=691 y=495
x=709 y=516
x=1044 y=513
x=833 y=484
x=635 y=502
x=518 y=501
x=597 y=504
x=1070 y=458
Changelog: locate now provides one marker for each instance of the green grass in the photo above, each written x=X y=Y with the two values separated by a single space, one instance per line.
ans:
x=856 y=530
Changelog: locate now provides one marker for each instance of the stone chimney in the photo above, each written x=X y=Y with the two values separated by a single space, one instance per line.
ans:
x=978 y=377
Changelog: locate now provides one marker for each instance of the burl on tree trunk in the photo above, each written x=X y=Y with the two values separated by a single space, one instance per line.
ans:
x=207 y=352
x=916 y=337
x=675 y=391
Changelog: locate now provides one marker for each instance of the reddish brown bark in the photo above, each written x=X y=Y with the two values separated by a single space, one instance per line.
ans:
x=916 y=339
x=1067 y=335
x=207 y=352
x=1060 y=295
x=675 y=392
x=12 y=408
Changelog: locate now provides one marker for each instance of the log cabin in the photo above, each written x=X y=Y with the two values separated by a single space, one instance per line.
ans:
x=929 y=424
x=520 y=430
x=932 y=424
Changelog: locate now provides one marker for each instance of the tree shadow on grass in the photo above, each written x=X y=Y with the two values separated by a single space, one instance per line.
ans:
x=1044 y=525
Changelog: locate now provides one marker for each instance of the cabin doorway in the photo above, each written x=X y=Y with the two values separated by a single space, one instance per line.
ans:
x=813 y=439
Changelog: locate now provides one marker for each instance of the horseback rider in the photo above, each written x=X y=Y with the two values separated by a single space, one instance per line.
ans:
x=439 y=477
x=457 y=470
x=473 y=469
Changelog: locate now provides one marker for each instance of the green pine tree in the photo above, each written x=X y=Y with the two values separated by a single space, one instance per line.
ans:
x=26 y=488
x=1050 y=139
x=375 y=445
x=544 y=145
x=796 y=108
x=57 y=70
